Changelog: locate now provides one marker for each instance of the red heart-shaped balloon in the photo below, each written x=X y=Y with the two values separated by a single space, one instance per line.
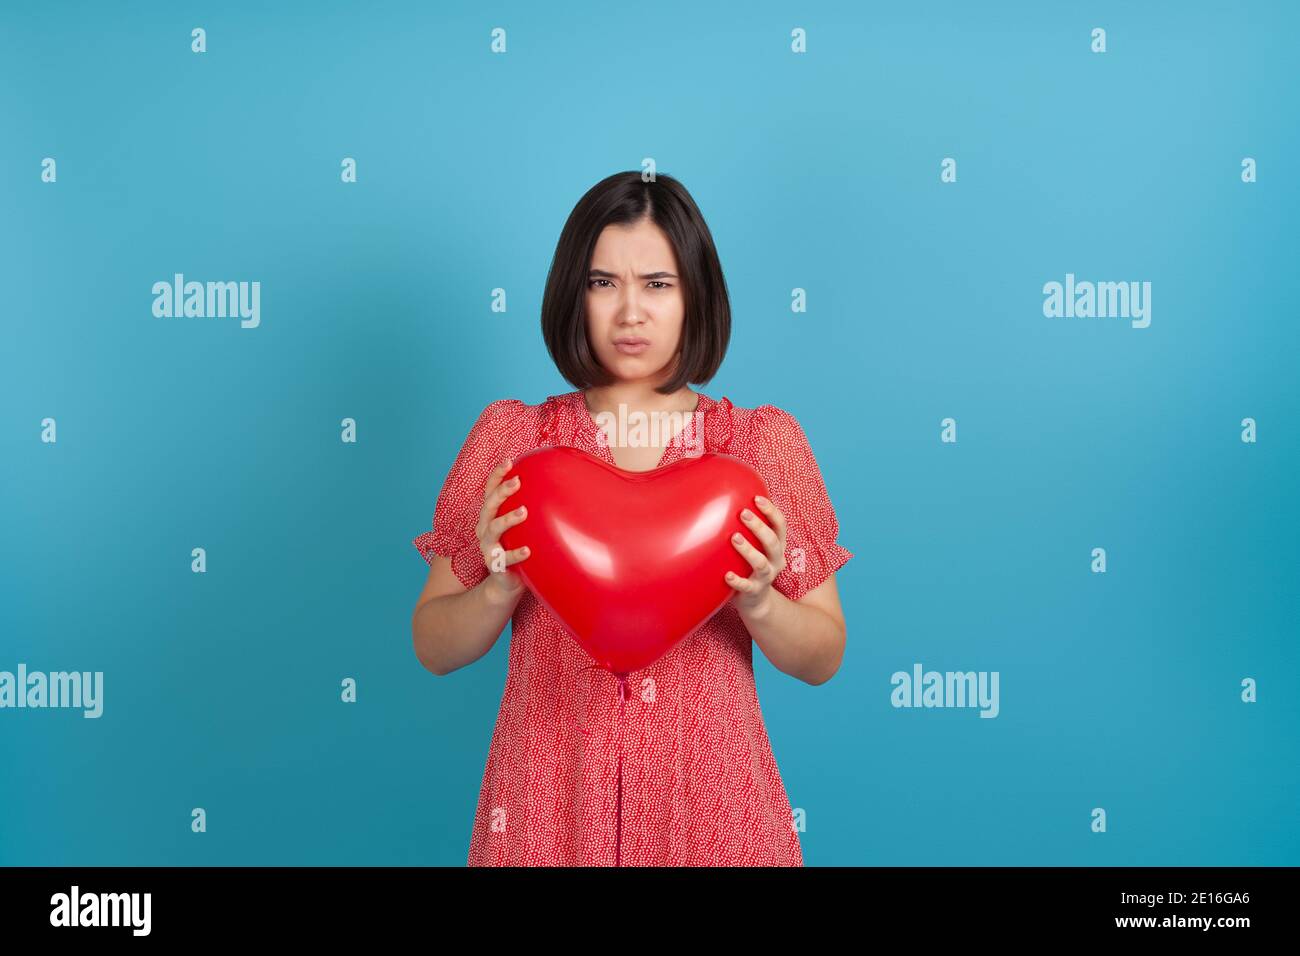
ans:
x=630 y=562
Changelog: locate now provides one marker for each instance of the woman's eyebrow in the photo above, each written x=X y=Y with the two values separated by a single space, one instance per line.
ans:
x=602 y=274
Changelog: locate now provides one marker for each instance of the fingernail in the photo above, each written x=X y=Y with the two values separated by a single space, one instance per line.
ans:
x=761 y=500
x=520 y=511
x=525 y=550
x=747 y=514
x=737 y=537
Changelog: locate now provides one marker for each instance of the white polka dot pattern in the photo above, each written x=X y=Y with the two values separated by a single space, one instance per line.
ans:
x=683 y=773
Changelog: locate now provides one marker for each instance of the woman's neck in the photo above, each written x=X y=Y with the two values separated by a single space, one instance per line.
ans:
x=639 y=397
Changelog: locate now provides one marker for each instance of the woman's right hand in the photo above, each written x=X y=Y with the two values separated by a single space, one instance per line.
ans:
x=505 y=583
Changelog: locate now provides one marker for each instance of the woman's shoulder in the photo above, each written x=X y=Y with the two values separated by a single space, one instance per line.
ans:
x=509 y=424
x=765 y=425
x=508 y=410
x=504 y=408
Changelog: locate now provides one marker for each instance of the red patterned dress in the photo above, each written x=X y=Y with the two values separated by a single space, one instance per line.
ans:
x=680 y=772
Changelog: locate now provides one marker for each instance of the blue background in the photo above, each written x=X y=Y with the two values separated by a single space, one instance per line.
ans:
x=820 y=171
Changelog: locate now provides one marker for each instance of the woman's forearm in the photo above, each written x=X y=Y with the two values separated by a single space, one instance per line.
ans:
x=457 y=629
x=800 y=640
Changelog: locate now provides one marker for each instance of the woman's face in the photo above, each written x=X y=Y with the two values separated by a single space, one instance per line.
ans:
x=635 y=306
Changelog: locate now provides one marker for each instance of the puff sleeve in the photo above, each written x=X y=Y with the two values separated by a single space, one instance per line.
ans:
x=455 y=515
x=812 y=552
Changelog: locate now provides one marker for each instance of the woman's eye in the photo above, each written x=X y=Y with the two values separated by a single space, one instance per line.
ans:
x=655 y=283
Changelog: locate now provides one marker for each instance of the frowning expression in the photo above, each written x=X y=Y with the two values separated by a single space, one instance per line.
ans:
x=634 y=302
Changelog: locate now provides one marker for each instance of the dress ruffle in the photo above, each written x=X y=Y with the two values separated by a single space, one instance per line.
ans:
x=550 y=423
x=718 y=426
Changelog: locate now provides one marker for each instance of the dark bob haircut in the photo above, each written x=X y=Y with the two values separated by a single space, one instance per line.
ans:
x=625 y=199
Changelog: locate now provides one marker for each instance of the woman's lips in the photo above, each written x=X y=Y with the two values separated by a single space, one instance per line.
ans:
x=631 y=346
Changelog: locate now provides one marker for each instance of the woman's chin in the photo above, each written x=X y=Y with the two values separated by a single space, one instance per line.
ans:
x=638 y=365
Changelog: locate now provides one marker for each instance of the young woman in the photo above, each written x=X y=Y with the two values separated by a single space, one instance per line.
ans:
x=678 y=770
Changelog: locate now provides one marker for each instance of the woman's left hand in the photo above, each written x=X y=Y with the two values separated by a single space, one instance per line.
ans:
x=755 y=592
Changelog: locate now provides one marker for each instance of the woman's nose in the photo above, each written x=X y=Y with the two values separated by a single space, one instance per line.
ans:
x=631 y=302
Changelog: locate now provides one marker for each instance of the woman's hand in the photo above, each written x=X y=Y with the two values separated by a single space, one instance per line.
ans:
x=754 y=593
x=503 y=583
